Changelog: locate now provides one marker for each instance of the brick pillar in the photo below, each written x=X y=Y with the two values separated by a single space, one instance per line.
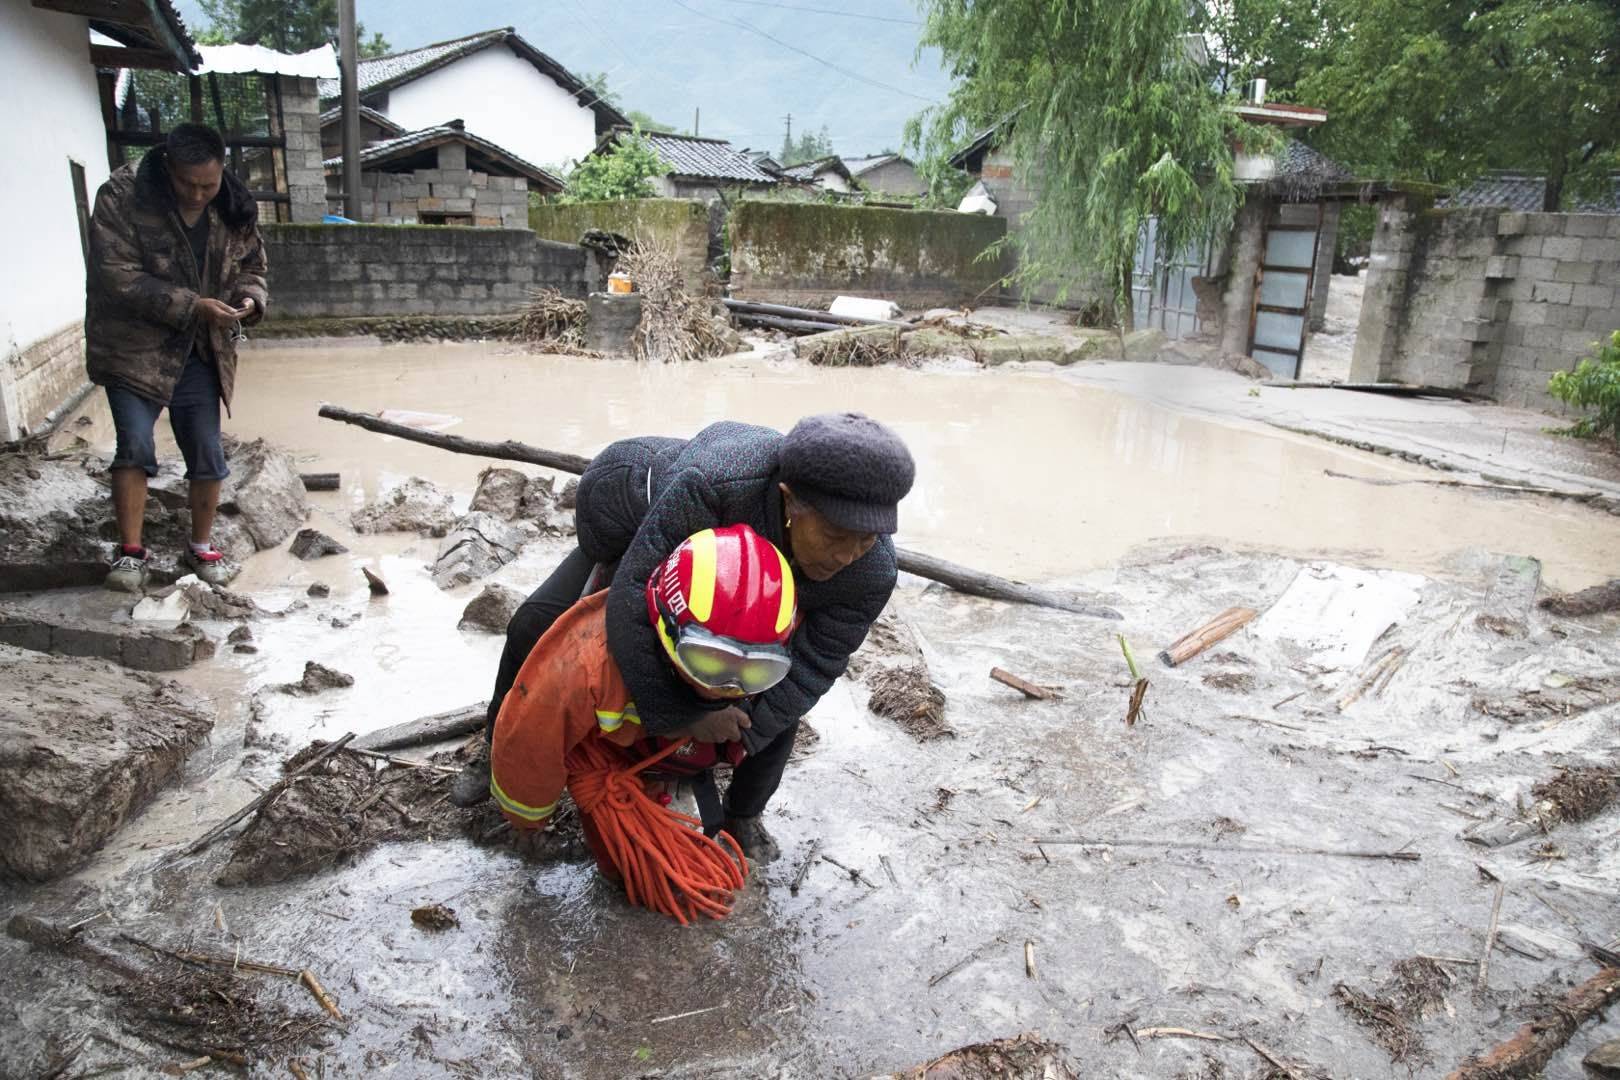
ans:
x=1248 y=246
x=306 y=174
x=1322 y=277
x=1383 y=302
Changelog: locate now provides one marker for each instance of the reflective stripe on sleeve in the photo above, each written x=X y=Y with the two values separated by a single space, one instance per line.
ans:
x=517 y=809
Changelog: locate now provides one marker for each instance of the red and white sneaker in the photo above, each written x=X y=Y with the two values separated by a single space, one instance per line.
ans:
x=211 y=566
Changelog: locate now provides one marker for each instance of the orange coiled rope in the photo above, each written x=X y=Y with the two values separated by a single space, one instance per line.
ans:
x=668 y=865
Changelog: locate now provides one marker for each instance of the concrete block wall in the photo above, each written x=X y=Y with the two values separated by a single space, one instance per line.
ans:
x=306 y=172
x=1014 y=201
x=495 y=202
x=1486 y=300
x=335 y=271
x=39 y=378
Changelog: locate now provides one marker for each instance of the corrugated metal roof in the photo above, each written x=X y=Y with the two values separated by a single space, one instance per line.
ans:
x=1526 y=191
x=706 y=159
x=405 y=145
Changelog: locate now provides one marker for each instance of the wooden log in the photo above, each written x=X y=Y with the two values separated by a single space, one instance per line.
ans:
x=1592 y=601
x=271 y=794
x=813 y=314
x=1220 y=627
x=321 y=481
x=425 y=730
x=778 y=322
x=1534 y=1044
x=960 y=578
x=1023 y=686
x=502 y=451
x=991 y=587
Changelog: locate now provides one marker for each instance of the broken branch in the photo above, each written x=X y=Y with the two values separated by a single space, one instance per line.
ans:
x=1023 y=686
x=1076 y=841
x=804 y=867
x=1178 y=1033
x=1534 y=1044
x=502 y=451
x=1490 y=938
x=270 y=795
x=307 y=977
x=406 y=763
x=1217 y=629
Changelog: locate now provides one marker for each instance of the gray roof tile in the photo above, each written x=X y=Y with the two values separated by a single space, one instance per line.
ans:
x=1525 y=191
x=706 y=159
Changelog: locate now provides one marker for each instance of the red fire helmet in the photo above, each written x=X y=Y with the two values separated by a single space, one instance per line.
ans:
x=724 y=594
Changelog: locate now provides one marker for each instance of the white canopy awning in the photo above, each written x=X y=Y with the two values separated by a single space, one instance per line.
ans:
x=318 y=63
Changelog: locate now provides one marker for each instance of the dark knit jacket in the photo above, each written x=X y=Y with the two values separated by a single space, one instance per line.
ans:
x=725 y=475
x=140 y=316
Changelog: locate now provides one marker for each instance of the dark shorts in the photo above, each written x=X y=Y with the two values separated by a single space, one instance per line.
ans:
x=193 y=417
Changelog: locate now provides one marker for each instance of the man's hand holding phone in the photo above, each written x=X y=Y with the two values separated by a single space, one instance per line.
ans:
x=219 y=313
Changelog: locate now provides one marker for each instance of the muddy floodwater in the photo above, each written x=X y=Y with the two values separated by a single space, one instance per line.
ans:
x=1018 y=473
x=1275 y=835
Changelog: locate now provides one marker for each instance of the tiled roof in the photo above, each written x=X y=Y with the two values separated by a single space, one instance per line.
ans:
x=1526 y=191
x=807 y=170
x=1297 y=159
x=706 y=159
x=867 y=164
x=417 y=141
x=385 y=72
x=330 y=116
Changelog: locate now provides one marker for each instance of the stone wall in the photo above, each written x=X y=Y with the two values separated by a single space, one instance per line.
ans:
x=324 y=271
x=1486 y=300
x=39 y=378
x=390 y=198
x=808 y=253
x=1014 y=200
x=684 y=224
x=306 y=172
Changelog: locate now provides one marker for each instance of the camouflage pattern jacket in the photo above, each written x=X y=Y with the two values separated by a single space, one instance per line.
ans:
x=141 y=296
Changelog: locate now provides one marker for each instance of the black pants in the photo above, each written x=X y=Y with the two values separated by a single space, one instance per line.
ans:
x=752 y=783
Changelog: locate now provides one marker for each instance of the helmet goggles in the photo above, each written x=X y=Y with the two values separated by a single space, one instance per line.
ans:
x=726 y=664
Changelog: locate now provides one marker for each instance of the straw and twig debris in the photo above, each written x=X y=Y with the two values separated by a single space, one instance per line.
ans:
x=1415 y=989
x=675 y=325
x=553 y=319
x=1577 y=793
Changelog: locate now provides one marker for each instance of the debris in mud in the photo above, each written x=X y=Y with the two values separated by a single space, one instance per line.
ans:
x=904 y=693
x=554 y=320
x=1501 y=625
x=1024 y=686
x=374 y=582
x=1237 y=682
x=314 y=544
x=1579 y=695
x=568 y=498
x=435 y=917
x=351 y=805
x=316 y=678
x=889 y=640
x=675 y=325
x=318 y=590
x=1416 y=989
x=1604 y=1060
x=1225 y=826
x=1025 y=1057
x=1592 y=601
x=416 y=505
x=1197 y=640
x=1577 y=793
x=263 y=493
x=491 y=609
x=240 y=634
x=321 y=481
x=83 y=746
x=512 y=496
x=480 y=544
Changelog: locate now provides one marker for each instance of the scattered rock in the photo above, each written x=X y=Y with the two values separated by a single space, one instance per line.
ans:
x=417 y=505
x=435 y=917
x=49 y=528
x=241 y=633
x=83 y=746
x=569 y=498
x=905 y=694
x=378 y=586
x=317 y=677
x=512 y=496
x=481 y=544
x=313 y=544
x=215 y=601
x=321 y=589
x=491 y=609
x=1593 y=601
x=1500 y=624
x=244 y=648
x=1605 y=1059
x=1026 y=1057
x=264 y=493
x=170 y=608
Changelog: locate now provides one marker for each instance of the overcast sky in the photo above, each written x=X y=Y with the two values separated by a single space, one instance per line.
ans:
x=852 y=72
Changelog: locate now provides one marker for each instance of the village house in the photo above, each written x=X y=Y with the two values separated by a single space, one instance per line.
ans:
x=506 y=90
x=443 y=175
x=56 y=154
x=824 y=174
x=700 y=168
x=887 y=174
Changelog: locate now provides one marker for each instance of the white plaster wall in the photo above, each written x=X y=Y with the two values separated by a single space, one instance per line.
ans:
x=831 y=181
x=52 y=115
x=502 y=98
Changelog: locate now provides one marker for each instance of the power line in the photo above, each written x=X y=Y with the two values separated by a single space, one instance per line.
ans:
x=828 y=11
x=739 y=24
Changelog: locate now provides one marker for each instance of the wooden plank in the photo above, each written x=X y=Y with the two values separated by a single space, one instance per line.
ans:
x=111 y=56
x=429 y=729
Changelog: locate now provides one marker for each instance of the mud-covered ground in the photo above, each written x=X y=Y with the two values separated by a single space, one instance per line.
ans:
x=1023 y=865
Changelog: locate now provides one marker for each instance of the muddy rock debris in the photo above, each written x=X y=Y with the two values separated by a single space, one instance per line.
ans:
x=317 y=678
x=1026 y=1057
x=480 y=544
x=416 y=505
x=491 y=609
x=83 y=746
x=435 y=917
x=314 y=544
x=263 y=492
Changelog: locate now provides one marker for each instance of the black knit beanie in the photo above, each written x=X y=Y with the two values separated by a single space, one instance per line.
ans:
x=849 y=468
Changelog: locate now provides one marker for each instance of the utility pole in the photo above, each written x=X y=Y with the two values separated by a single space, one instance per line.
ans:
x=696 y=114
x=348 y=51
x=787 y=141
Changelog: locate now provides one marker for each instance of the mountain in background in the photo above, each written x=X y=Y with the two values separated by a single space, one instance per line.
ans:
x=851 y=73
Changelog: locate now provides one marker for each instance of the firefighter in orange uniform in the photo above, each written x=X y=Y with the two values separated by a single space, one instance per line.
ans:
x=723 y=606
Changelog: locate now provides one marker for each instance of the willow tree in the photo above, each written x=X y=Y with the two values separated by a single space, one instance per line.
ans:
x=1111 y=121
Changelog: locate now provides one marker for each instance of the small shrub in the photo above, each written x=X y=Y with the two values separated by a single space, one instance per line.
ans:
x=1594 y=384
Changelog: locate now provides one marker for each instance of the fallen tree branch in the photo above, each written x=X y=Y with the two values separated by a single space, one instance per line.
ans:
x=1196 y=641
x=1023 y=686
x=960 y=578
x=211 y=959
x=428 y=729
x=271 y=794
x=1080 y=841
x=811 y=314
x=1534 y=1044
x=786 y=325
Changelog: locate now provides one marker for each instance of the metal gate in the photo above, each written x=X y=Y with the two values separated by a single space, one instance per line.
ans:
x=1162 y=295
x=1283 y=299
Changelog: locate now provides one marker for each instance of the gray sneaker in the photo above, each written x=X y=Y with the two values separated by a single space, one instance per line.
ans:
x=472 y=786
x=212 y=569
x=129 y=573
